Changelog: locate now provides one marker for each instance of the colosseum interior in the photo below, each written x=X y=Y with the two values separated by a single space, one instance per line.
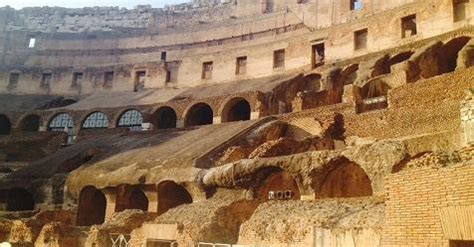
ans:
x=248 y=123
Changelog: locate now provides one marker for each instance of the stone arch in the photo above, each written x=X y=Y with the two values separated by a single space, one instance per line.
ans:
x=60 y=121
x=279 y=185
x=198 y=114
x=349 y=74
x=91 y=208
x=400 y=57
x=374 y=89
x=312 y=82
x=30 y=123
x=164 y=117
x=343 y=178
x=95 y=120
x=448 y=55
x=20 y=200
x=236 y=109
x=170 y=195
x=130 y=197
x=130 y=118
x=5 y=125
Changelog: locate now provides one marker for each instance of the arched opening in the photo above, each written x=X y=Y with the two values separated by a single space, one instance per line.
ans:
x=96 y=120
x=448 y=55
x=165 y=118
x=170 y=195
x=91 y=208
x=344 y=178
x=237 y=109
x=400 y=57
x=5 y=125
x=278 y=185
x=349 y=74
x=374 y=96
x=199 y=114
x=30 y=123
x=130 y=197
x=131 y=119
x=312 y=82
x=61 y=122
x=20 y=200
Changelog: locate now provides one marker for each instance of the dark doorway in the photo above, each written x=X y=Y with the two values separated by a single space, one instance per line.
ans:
x=165 y=118
x=30 y=123
x=5 y=125
x=199 y=114
x=20 y=200
x=237 y=109
x=91 y=208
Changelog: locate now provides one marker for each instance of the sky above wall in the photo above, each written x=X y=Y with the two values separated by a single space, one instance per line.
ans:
x=18 y=4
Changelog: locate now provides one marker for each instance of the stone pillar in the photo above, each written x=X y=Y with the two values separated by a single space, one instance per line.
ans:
x=467 y=118
x=254 y=115
x=180 y=123
x=152 y=196
x=43 y=128
x=110 y=196
x=217 y=120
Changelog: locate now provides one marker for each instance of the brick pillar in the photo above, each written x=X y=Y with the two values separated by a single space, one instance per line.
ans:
x=180 y=123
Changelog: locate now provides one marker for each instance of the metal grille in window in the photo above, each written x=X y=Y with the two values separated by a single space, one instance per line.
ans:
x=60 y=122
x=96 y=120
x=132 y=119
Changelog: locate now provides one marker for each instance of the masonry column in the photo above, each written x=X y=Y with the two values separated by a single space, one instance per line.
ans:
x=151 y=193
x=110 y=197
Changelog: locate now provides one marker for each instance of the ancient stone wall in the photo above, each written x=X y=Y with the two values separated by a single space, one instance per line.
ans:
x=467 y=118
x=416 y=200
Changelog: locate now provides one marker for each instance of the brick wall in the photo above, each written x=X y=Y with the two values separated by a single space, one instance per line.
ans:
x=415 y=198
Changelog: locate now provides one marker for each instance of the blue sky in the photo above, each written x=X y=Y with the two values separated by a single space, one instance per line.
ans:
x=18 y=4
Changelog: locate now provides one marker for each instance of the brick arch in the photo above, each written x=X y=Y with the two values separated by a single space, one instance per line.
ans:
x=86 y=117
x=193 y=116
x=276 y=180
x=164 y=117
x=91 y=207
x=5 y=125
x=449 y=52
x=172 y=194
x=58 y=114
x=229 y=105
x=342 y=178
x=130 y=197
x=30 y=122
x=400 y=57
x=349 y=74
x=118 y=117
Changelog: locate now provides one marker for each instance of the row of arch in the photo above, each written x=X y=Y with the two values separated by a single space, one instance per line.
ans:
x=93 y=202
x=341 y=178
x=237 y=109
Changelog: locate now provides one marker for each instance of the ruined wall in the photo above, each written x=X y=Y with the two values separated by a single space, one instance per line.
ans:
x=416 y=200
x=467 y=118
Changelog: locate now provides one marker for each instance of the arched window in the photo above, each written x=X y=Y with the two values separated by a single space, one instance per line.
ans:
x=199 y=114
x=96 y=120
x=237 y=109
x=61 y=122
x=131 y=119
x=91 y=208
x=30 y=123
x=449 y=53
x=5 y=125
x=170 y=195
x=165 y=118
